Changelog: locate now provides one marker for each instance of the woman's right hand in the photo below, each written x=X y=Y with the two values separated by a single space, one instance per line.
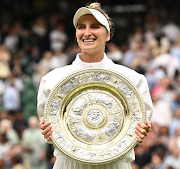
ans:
x=46 y=129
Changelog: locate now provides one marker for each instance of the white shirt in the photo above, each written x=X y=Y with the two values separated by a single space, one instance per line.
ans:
x=11 y=98
x=171 y=30
x=53 y=77
x=57 y=39
x=170 y=62
x=115 y=55
x=161 y=109
x=11 y=42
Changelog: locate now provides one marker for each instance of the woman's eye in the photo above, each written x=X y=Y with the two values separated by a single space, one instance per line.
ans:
x=80 y=27
x=95 y=26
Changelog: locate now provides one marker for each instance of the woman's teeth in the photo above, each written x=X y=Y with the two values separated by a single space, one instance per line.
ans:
x=89 y=40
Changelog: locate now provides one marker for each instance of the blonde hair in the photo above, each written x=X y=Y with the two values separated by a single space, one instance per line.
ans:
x=97 y=6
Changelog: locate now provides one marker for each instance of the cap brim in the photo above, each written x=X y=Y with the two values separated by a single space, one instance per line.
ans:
x=97 y=14
x=82 y=11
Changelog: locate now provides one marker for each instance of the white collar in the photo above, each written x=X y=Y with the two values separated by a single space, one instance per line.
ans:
x=78 y=62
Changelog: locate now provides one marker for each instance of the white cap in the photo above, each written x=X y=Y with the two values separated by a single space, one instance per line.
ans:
x=97 y=14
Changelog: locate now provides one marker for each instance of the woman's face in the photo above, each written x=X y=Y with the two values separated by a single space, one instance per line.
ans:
x=91 y=35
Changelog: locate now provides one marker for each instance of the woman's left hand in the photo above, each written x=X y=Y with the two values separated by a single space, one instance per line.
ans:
x=142 y=130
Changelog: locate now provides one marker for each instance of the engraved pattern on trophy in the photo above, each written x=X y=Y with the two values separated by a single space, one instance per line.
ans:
x=75 y=118
x=135 y=114
x=92 y=154
x=93 y=113
x=105 y=154
x=99 y=76
x=88 y=154
x=74 y=148
x=69 y=85
x=98 y=111
x=105 y=101
x=85 y=134
x=133 y=104
x=79 y=107
x=94 y=116
x=65 y=143
x=54 y=108
x=85 y=78
x=113 y=126
x=117 y=148
x=126 y=90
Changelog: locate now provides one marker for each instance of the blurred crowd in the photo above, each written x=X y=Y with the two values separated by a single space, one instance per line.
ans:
x=28 y=53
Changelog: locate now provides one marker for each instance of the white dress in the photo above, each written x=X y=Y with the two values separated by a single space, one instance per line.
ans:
x=53 y=77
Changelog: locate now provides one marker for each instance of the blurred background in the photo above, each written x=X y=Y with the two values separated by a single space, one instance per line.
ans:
x=37 y=36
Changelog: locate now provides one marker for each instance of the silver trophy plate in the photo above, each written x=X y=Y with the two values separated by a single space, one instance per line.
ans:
x=93 y=114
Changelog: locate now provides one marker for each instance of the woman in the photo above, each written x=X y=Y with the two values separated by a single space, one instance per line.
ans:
x=93 y=30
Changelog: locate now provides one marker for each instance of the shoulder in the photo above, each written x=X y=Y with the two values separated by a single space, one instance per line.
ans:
x=124 y=69
x=57 y=71
x=128 y=73
x=54 y=76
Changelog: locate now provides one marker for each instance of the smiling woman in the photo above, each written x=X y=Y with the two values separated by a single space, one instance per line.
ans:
x=93 y=29
x=91 y=37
